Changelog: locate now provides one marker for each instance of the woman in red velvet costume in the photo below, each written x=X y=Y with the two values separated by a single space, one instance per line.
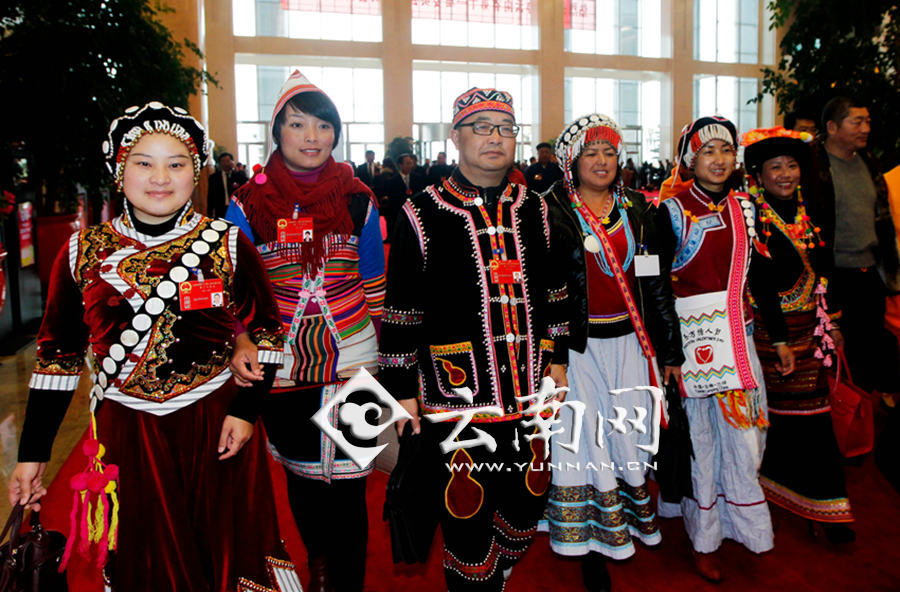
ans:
x=152 y=296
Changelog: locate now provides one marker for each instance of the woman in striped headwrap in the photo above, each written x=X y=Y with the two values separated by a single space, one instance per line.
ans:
x=316 y=227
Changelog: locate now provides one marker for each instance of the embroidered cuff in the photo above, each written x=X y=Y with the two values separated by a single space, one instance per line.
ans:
x=265 y=339
x=557 y=330
x=398 y=360
x=54 y=382
x=558 y=295
x=401 y=317
x=270 y=356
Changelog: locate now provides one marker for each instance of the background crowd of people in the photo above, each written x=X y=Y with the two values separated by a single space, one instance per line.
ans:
x=581 y=274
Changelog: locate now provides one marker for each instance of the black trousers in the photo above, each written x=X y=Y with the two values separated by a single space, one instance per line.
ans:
x=333 y=521
x=872 y=350
x=489 y=513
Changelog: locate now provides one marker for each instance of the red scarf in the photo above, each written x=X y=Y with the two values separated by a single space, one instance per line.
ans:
x=326 y=200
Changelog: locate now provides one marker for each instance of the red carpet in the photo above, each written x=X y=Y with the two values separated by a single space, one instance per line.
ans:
x=799 y=562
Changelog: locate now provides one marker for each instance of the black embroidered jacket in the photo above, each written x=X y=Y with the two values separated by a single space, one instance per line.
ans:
x=446 y=324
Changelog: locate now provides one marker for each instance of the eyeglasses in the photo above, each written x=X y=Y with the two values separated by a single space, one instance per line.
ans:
x=483 y=128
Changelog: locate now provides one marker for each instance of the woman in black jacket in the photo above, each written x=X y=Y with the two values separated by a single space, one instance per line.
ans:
x=603 y=234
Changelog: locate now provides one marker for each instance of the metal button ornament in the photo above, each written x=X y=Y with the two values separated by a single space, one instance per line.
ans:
x=200 y=248
x=209 y=236
x=117 y=352
x=510 y=338
x=591 y=244
x=491 y=230
x=141 y=322
x=504 y=299
x=478 y=201
x=219 y=225
x=97 y=391
x=179 y=274
x=155 y=305
x=190 y=260
x=166 y=289
x=102 y=380
x=109 y=365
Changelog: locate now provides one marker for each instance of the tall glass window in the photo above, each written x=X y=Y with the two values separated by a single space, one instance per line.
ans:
x=727 y=31
x=507 y=24
x=729 y=97
x=614 y=27
x=347 y=20
x=355 y=86
x=437 y=84
x=636 y=105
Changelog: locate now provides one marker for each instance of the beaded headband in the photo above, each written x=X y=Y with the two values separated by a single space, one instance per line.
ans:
x=476 y=100
x=701 y=132
x=595 y=127
x=154 y=118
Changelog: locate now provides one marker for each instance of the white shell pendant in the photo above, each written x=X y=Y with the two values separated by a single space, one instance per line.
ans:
x=591 y=244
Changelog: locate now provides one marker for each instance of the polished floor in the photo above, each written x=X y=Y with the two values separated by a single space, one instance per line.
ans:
x=15 y=372
x=799 y=562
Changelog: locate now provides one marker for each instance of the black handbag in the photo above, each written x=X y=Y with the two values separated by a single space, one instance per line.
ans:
x=29 y=562
x=673 y=460
x=411 y=501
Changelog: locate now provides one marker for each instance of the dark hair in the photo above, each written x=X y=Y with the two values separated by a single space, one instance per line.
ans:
x=311 y=103
x=544 y=145
x=836 y=110
x=223 y=155
x=368 y=152
x=403 y=156
x=790 y=120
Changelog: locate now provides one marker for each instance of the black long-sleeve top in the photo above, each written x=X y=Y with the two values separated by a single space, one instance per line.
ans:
x=769 y=277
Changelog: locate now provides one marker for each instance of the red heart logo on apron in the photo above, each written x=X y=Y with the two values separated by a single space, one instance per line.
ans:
x=703 y=354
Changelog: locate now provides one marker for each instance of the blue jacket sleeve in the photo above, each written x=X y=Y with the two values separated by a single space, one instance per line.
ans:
x=236 y=216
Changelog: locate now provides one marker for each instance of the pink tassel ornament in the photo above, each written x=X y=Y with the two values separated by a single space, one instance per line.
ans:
x=94 y=494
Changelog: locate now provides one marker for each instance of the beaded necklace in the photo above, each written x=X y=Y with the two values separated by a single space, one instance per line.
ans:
x=590 y=228
x=802 y=232
x=701 y=197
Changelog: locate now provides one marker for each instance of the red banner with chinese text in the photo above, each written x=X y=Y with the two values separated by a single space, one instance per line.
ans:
x=503 y=12
x=580 y=14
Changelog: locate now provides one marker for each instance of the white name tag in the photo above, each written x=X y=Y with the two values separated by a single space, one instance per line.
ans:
x=646 y=265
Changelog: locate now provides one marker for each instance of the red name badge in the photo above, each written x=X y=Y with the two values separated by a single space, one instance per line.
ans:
x=298 y=230
x=198 y=295
x=506 y=272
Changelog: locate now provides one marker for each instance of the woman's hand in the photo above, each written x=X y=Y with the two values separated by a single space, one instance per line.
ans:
x=670 y=372
x=558 y=374
x=235 y=433
x=25 y=485
x=245 y=352
x=412 y=407
x=786 y=356
x=837 y=337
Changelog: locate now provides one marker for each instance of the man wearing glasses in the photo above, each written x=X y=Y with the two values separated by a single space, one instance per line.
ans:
x=472 y=307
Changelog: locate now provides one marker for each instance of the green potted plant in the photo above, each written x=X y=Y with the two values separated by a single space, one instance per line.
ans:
x=68 y=68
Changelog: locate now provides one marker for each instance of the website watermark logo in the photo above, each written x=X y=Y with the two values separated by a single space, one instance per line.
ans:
x=354 y=416
x=542 y=419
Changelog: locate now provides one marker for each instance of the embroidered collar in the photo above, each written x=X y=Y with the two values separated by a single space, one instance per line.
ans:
x=187 y=220
x=462 y=189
